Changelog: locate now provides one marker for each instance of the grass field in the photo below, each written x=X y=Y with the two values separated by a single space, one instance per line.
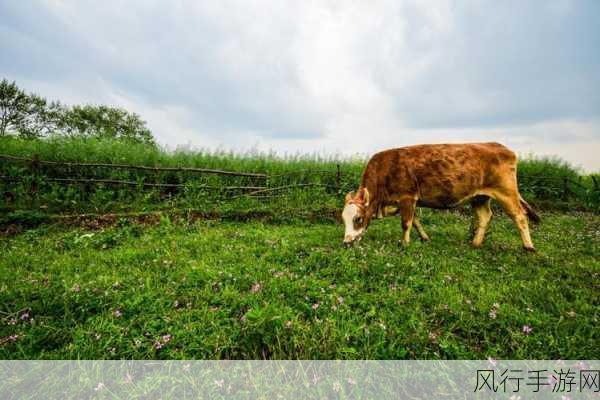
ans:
x=258 y=290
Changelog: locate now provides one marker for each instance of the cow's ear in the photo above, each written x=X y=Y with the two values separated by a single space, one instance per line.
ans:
x=363 y=196
x=348 y=197
x=366 y=197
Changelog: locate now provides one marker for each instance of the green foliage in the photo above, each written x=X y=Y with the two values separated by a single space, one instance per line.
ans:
x=28 y=115
x=24 y=218
x=541 y=181
x=105 y=122
x=291 y=291
x=31 y=116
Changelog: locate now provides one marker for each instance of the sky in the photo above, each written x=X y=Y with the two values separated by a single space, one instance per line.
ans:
x=322 y=77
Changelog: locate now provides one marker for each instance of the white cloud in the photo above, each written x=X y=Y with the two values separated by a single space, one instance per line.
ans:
x=323 y=76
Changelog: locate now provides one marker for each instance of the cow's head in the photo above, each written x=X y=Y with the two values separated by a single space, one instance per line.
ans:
x=355 y=215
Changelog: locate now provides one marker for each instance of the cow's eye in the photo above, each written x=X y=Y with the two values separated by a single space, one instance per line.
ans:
x=358 y=220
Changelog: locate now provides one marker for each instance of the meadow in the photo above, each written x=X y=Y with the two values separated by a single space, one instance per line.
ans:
x=182 y=272
x=264 y=290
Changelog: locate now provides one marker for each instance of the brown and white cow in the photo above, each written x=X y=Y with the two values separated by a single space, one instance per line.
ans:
x=438 y=176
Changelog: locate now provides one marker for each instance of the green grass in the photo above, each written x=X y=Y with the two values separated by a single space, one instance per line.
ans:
x=290 y=290
x=541 y=180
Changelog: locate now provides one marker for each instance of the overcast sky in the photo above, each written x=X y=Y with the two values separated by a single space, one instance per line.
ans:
x=339 y=77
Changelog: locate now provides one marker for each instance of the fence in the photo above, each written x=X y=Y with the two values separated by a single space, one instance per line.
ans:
x=32 y=182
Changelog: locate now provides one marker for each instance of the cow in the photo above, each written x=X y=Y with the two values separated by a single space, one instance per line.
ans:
x=440 y=176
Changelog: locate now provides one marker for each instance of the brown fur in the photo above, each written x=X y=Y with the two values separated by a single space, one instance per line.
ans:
x=444 y=176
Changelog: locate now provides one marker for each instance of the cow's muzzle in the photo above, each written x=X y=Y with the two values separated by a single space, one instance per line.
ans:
x=349 y=241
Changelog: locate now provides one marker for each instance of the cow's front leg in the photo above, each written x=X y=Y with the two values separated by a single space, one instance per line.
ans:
x=407 y=213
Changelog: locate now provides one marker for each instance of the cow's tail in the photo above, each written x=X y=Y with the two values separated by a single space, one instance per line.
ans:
x=529 y=210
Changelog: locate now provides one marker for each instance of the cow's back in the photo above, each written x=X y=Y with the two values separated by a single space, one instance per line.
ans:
x=440 y=175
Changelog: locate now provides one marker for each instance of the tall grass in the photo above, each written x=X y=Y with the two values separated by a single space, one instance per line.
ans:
x=541 y=180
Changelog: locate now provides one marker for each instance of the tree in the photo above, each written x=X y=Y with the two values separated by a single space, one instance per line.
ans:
x=27 y=115
x=32 y=116
x=105 y=122
x=14 y=105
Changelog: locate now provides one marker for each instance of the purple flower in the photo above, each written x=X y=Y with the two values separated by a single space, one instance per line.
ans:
x=117 y=313
x=527 y=329
x=158 y=345
x=255 y=288
x=100 y=386
x=166 y=338
x=315 y=306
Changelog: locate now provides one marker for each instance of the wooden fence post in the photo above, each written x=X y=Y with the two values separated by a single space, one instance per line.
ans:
x=566 y=188
x=34 y=167
x=338 y=178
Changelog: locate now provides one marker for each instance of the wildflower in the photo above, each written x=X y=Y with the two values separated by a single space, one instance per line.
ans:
x=336 y=386
x=166 y=338
x=76 y=288
x=158 y=345
x=527 y=329
x=492 y=361
x=176 y=304
x=315 y=306
x=219 y=382
x=243 y=318
x=433 y=336
x=351 y=381
x=492 y=313
x=288 y=324
x=340 y=300
x=255 y=288
x=571 y=314
x=24 y=316
x=117 y=313
x=315 y=379
x=100 y=386
x=496 y=305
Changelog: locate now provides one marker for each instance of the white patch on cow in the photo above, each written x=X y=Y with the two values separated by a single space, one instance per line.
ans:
x=350 y=234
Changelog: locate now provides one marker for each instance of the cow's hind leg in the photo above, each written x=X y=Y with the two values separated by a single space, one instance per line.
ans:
x=511 y=204
x=407 y=212
x=422 y=233
x=483 y=215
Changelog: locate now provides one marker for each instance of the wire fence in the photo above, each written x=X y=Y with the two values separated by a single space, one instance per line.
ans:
x=33 y=183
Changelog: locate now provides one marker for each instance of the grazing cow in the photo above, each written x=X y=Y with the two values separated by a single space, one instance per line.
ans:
x=438 y=176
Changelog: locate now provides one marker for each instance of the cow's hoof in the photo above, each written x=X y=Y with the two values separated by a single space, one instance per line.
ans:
x=530 y=249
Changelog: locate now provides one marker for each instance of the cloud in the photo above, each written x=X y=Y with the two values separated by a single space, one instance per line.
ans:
x=322 y=76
